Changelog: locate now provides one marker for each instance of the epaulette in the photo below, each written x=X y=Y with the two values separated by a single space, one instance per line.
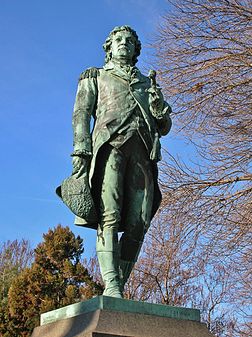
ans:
x=89 y=73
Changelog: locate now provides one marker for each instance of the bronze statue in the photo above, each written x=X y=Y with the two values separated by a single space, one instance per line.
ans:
x=118 y=159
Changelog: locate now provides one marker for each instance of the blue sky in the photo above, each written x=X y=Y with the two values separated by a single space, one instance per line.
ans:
x=44 y=47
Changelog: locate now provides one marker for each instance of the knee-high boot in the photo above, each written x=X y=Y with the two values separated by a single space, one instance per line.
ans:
x=125 y=269
x=108 y=257
x=129 y=251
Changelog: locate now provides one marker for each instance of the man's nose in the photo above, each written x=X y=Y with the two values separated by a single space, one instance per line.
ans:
x=123 y=41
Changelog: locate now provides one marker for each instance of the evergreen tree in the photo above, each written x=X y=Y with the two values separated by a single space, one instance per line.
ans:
x=56 y=278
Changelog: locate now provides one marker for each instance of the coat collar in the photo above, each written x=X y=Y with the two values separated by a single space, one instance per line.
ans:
x=128 y=73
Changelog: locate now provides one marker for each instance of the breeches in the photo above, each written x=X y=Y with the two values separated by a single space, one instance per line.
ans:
x=124 y=193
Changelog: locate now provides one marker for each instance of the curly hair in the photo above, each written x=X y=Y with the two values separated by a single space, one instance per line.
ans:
x=108 y=42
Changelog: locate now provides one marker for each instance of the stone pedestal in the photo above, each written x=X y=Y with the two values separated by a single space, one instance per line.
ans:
x=111 y=317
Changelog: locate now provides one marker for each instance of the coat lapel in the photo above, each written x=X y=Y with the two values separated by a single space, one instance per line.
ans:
x=117 y=71
x=132 y=77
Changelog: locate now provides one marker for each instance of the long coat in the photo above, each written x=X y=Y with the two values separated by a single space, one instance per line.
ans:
x=110 y=96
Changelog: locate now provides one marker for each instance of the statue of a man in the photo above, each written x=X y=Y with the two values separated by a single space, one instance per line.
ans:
x=120 y=154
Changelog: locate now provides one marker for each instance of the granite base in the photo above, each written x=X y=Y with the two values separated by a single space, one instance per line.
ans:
x=109 y=317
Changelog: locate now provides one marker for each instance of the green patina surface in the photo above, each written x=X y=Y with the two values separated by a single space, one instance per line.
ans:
x=122 y=305
x=114 y=182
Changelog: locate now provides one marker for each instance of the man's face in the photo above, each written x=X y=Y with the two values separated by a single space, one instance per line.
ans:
x=123 y=46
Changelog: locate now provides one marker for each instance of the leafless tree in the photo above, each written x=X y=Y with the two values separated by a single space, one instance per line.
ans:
x=167 y=266
x=204 y=54
x=14 y=257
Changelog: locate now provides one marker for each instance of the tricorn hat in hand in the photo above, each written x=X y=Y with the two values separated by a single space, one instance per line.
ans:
x=76 y=195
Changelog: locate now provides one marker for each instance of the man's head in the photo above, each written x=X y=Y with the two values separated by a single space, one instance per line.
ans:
x=123 y=45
